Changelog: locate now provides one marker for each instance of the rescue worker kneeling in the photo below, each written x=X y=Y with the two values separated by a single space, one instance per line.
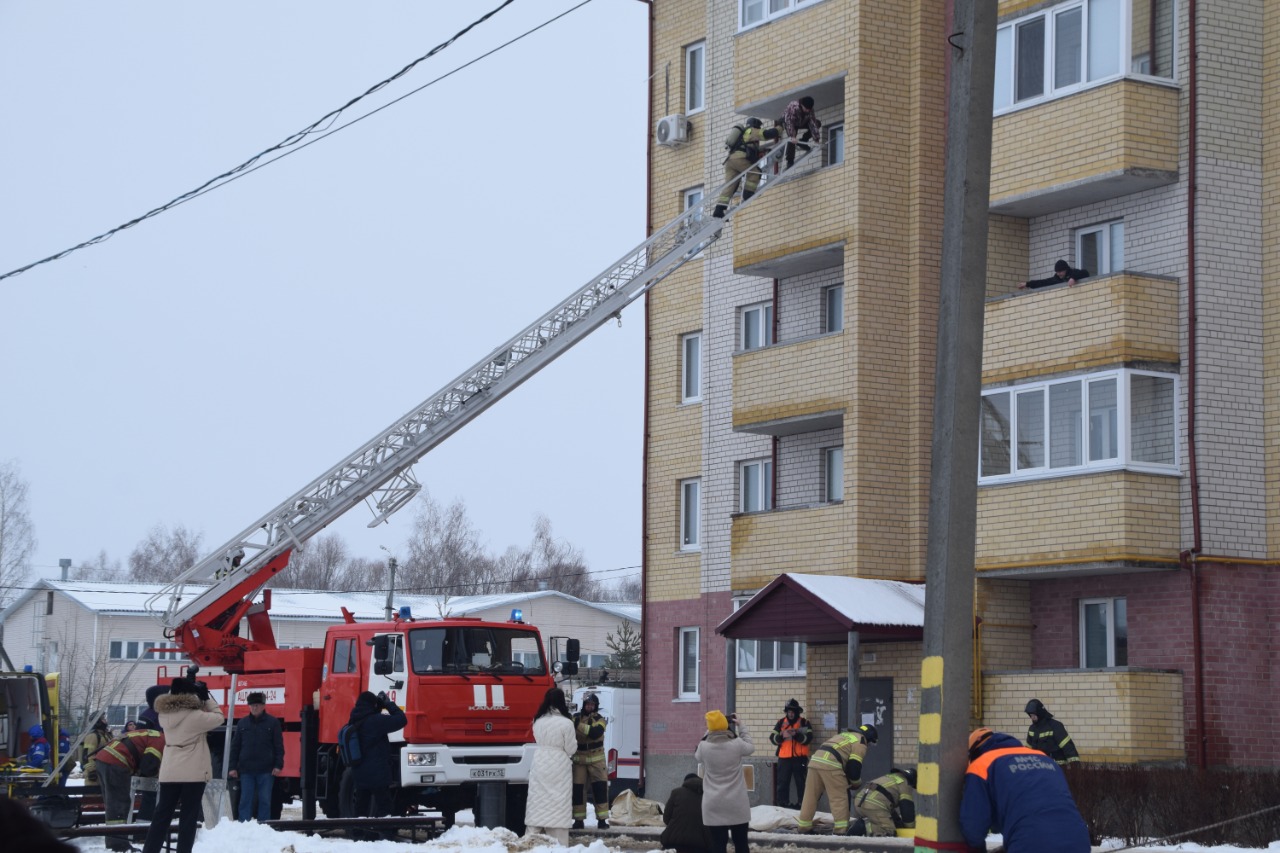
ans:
x=835 y=767
x=886 y=804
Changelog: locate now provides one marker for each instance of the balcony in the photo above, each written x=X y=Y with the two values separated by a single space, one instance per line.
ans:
x=764 y=545
x=1115 y=716
x=790 y=388
x=1048 y=157
x=1105 y=321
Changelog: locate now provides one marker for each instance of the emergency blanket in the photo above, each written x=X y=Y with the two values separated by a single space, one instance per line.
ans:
x=630 y=810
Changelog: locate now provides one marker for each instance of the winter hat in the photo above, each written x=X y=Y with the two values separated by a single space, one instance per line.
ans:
x=806 y=102
x=1061 y=266
x=793 y=705
x=716 y=722
x=180 y=686
x=256 y=699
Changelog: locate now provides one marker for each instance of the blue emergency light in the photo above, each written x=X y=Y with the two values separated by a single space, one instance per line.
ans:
x=517 y=615
x=405 y=612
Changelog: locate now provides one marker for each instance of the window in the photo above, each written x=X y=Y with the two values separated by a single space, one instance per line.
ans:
x=1059 y=50
x=756 y=485
x=118 y=715
x=691 y=368
x=132 y=649
x=690 y=515
x=48 y=603
x=833 y=308
x=757 y=326
x=693 y=199
x=695 y=77
x=754 y=12
x=1104 y=633
x=834 y=146
x=833 y=474
x=1119 y=419
x=770 y=657
x=1100 y=248
x=344 y=656
x=688 y=667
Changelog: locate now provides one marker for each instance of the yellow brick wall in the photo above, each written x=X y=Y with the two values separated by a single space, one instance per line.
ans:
x=1120 y=515
x=828 y=664
x=1115 y=717
x=816 y=540
x=1133 y=125
x=785 y=55
x=1271 y=275
x=1004 y=634
x=1099 y=323
x=1007 y=247
x=760 y=702
x=781 y=382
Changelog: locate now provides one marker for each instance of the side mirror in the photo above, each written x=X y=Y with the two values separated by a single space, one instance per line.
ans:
x=382 y=648
x=569 y=668
x=572 y=650
x=382 y=667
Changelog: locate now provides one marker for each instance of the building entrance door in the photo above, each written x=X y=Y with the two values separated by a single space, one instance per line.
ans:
x=875 y=700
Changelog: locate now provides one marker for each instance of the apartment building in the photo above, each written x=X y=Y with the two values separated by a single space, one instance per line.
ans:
x=1128 y=510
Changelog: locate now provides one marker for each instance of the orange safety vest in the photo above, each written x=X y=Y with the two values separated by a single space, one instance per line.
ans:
x=790 y=747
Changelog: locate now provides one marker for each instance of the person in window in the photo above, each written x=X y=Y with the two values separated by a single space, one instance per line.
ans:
x=1021 y=794
x=791 y=735
x=745 y=144
x=257 y=757
x=884 y=804
x=726 y=806
x=1062 y=273
x=834 y=768
x=549 y=808
x=799 y=115
x=1050 y=736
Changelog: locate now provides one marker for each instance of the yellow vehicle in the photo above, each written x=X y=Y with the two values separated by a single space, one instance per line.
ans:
x=26 y=700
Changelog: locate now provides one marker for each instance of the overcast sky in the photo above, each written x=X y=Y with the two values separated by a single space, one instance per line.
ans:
x=201 y=367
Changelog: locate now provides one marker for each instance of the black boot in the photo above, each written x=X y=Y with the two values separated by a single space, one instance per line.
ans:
x=746 y=194
x=718 y=213
x=577 y=824
x=602 y=824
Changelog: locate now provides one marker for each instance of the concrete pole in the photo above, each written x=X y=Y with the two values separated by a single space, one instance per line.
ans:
x=946 y=670
x=853 y=699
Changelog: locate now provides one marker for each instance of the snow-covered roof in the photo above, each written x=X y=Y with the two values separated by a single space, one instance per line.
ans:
x=825 y=608
x=305 y=604
x=866 y=601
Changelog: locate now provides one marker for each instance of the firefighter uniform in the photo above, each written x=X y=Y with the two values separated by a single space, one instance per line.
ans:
x=885 y=804
x=1049 y=735
x=792 y=736
x=589 y=764
x=98 y=737
x=134 y=754
x=834 y=768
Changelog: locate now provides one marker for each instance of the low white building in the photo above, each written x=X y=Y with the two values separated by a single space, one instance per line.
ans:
x=108 y=648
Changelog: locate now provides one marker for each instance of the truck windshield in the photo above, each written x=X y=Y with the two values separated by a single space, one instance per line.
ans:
x=475 y=648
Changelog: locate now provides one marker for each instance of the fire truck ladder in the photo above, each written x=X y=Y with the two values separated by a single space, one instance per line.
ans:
x=207 y=616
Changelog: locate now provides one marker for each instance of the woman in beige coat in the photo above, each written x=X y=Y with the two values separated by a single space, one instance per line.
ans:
x=187 y=714
x=726 y=805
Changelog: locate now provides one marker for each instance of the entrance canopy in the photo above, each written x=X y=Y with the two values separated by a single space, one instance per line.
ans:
x=820 y=609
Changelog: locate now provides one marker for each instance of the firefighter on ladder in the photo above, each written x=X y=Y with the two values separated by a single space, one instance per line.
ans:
x=589 y=764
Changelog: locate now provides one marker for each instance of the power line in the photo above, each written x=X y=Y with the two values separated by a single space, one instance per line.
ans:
x=252 y=164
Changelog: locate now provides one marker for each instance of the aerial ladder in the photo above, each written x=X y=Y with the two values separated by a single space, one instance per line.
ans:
x=202 y=608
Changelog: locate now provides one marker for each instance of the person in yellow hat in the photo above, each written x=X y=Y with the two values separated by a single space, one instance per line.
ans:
x=726 y=806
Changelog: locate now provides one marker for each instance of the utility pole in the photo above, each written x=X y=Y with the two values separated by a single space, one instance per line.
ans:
x=947 y=668
x=391 y=578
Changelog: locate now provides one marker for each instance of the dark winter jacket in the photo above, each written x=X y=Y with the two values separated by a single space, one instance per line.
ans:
x=1078 y=275
x=1021 y=794
x=258 y=745
x=1050 y=736
x=682 y=815
x=374 y=770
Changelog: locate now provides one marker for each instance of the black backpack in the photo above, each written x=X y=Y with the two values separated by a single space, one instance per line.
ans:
x=349 y=744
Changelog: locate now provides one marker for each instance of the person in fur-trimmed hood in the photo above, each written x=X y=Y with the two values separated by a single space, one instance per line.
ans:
x=187 y=714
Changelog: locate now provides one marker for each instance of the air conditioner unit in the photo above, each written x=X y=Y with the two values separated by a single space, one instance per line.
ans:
x=672 y=130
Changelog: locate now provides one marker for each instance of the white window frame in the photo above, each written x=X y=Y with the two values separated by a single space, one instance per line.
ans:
x=751 y=650
x=833 y=314
x=833 y=146
x=691 y=516
x=695 y=78
x=685 y=690
x=757 y=473
x=1110 y=459
x=691 y=368
x=1109 y=627
x=129 y=649
x=692 y=197
x=754 y=13
x=1110 y=242
x=833 y=474
x=1007 y=35
x=757 y=317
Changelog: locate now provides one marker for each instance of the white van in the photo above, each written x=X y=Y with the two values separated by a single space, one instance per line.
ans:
x=620 y=707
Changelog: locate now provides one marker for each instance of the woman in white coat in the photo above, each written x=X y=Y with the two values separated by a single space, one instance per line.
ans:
x=550 y=806
x=726 y=806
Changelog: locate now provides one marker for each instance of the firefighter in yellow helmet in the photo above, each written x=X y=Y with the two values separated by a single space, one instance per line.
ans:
x=835 y=767
x=589 y=764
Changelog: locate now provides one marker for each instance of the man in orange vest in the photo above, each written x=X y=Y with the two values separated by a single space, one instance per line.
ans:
x=791 y=735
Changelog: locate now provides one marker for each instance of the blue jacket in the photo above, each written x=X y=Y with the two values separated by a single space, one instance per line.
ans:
x=1022 y=794
x=375 y=768
x=39 y=754
x=258 y=745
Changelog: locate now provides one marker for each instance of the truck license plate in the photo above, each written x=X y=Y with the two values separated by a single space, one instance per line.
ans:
x=488 y=774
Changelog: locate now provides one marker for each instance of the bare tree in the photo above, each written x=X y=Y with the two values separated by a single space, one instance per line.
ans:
x=17 y=535
x=554 y=564
x=83 y=683
x=164 y=553
x=102 y=569
x=320 y=565
x=627 y=589
x=445 y=553
x=362 y=573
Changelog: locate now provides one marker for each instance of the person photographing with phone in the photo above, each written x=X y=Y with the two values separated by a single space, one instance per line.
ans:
x=726 y=806
x=372 y=776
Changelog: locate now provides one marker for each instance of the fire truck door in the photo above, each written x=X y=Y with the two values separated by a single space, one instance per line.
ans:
x=392 y=683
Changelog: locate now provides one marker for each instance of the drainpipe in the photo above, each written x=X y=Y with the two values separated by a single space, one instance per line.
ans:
x=1189 y=557
x=644 y=453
